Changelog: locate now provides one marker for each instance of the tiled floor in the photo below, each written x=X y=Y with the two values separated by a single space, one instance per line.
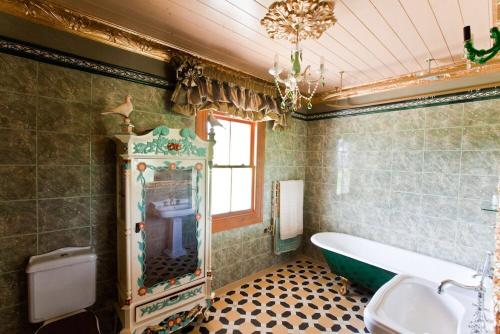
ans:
x=300 y=297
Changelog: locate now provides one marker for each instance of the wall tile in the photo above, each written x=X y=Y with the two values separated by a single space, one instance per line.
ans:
x=446 y=116
x=17 y=217
x=256 y=264
x=471 y=257
x=482 y=138
x=315 y=143
x=410 y=161
x=481 y=162
x=470 y=212
x=437 y=229
x=49 y=241
x=409 y=119
x=480 y=187
x=227 y=274
x=14 y=320
x=402 y=221
x=408 y=140
x=103 y=150
x=62 y=181
x=106 y=266
x=473 y=235
x=12 y=289
x=440 y=184
x=482 y=113
x=17 y=111
x=103 y=179
x=63 y=149
x=64 y=108
x=375 y=142
x=18 y=74
x=18 y=182
x=375 y=216
x=442 y=161
x=406 y=182
x=104 y=236
x=63 y=116
x=15 y=252
x=56 y=214
x=104 y=124
x=439 y=249
x=103 y=209
x=443 y=139
x=144 y=121
x=406 y=202
x=372 y=160
x=63 y=83
x=18 y=147
x=439 y=206
x=429 y=194
x=110 y=92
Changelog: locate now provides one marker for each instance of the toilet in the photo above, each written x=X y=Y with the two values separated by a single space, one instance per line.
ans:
x=61 y=284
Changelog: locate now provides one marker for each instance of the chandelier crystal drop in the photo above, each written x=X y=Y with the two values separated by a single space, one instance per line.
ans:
x=297 y=20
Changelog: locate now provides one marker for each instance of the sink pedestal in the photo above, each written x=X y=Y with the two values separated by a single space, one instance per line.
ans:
x=175 y=246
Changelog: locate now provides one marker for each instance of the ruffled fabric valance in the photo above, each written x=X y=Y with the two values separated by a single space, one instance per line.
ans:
x=195 y=90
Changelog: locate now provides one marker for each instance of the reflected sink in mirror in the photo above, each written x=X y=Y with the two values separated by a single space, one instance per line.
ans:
x=173 y=208
x=408 y=304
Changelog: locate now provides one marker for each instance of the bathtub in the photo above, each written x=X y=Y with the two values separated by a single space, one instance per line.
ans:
x=372 y=264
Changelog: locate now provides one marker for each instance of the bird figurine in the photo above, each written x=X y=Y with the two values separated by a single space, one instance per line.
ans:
x=124 y=110
x=214 y=121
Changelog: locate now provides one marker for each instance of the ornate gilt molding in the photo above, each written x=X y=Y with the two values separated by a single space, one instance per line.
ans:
x=52 y=15
x=74 y=22
x=440 y=74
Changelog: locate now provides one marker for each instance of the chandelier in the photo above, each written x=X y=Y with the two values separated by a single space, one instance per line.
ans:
x=296 y=20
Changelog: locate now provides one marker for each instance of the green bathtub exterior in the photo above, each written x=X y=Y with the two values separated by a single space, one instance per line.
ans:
x=358 y=272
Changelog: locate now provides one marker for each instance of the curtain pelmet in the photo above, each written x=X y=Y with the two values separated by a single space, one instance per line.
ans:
x=195 y=91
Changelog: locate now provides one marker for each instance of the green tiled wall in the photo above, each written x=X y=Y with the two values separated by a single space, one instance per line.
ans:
x=57 y=171
x=57 y=177
x=415 y=179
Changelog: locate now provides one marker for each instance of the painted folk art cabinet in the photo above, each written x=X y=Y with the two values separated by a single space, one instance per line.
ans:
x=163 y=196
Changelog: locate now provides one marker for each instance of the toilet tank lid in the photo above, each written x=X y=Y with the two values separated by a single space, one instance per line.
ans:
x=60 y=258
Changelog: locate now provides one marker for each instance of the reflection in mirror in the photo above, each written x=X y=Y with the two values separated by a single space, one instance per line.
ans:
x=171 y=244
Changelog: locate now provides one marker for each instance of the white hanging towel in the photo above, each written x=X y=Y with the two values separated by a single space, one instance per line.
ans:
x=291 y=206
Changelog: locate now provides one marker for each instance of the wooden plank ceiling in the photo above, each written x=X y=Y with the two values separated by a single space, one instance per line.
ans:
x=372 y=39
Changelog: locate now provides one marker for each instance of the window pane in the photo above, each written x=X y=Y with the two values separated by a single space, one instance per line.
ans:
x=221 y=148
x=241 y=189
x=240 y=144
x=221 y=190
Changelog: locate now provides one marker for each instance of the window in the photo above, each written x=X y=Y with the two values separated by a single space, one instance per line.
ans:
x=237 y=173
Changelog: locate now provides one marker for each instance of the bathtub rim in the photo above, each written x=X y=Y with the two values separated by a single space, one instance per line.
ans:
x=462 y=273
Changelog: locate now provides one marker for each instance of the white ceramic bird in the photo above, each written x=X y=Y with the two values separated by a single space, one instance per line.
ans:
x=123 y=109
x=214 y=121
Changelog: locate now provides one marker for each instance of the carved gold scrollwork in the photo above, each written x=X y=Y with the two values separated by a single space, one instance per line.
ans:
x=85 y=26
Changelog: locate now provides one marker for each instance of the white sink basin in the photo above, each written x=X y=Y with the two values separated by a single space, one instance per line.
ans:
x=174 y=210
x=408 y=304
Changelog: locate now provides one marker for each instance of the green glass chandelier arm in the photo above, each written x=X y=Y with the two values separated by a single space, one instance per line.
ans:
x=483 y=55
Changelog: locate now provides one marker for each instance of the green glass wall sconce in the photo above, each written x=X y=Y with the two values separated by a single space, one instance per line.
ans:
x=483 y=55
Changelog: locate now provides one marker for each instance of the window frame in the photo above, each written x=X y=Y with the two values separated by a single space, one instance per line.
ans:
x=226 y=221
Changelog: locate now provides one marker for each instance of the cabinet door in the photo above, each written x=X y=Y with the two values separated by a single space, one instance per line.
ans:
x=168 y=206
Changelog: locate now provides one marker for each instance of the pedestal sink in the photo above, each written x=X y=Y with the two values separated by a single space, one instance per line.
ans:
x=408 y=304
x=176 y=210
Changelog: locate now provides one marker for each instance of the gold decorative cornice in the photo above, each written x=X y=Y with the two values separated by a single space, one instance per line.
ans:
x=444 y=73
x=74 y=22
x=55 y=16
